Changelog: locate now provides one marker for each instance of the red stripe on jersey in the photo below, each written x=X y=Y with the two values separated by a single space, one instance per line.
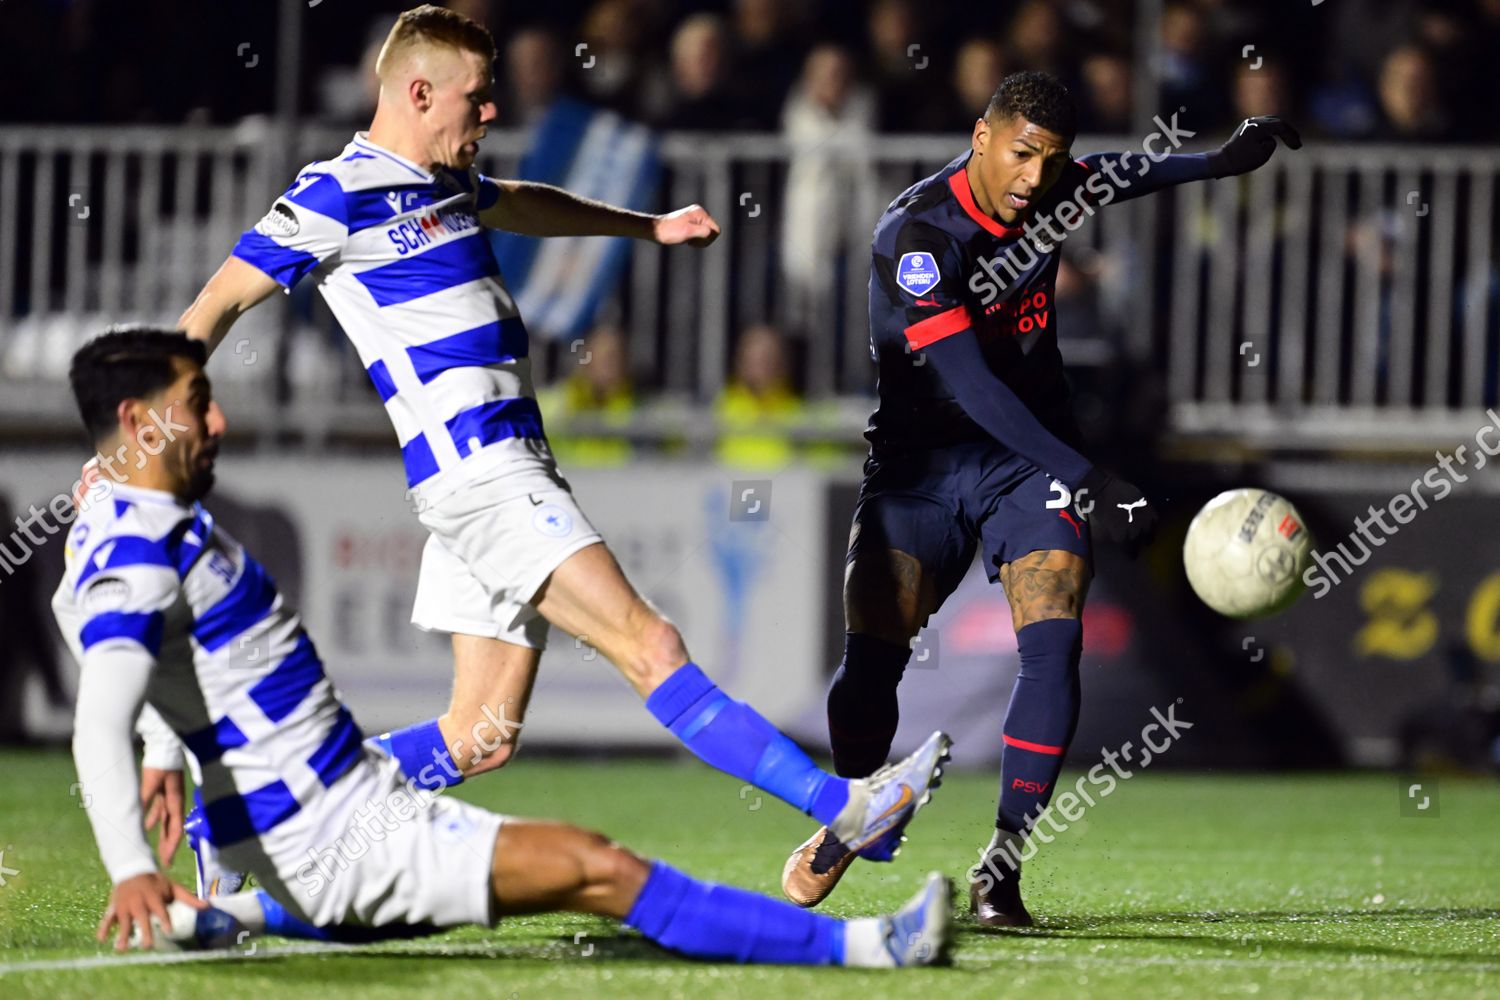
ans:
x=1083 y=165
x=1024 y=745
x=935 y=328
x=959 y=182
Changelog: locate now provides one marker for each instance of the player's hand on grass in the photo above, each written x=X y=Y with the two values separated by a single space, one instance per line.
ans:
x=162 y=801
x=135 y=901
x=1116 y=510
x=1252 y=144
x=692 y=225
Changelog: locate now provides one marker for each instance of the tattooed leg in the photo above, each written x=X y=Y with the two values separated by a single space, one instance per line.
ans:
x=1046 y=590
x=1045 y=584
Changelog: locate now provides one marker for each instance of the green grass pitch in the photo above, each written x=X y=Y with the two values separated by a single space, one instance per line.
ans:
x=1185 y=885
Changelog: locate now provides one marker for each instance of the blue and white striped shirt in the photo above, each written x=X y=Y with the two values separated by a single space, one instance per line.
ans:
x=404 y=264
x=235 y=676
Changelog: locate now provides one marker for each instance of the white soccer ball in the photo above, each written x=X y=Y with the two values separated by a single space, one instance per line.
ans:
x=1245 y=553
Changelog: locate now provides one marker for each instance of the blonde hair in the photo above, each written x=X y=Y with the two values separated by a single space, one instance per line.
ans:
x=430 y=25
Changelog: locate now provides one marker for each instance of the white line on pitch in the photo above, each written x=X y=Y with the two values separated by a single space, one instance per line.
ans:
x=241 y=954
x=481 y=949
x=1354 y=965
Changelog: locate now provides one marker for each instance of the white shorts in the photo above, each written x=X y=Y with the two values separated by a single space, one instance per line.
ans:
x=372 y=853
x=491 y=546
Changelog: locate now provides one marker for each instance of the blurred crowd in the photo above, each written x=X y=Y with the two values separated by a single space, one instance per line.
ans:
x=822 y=73
x=760 y=417
x=1360 y=69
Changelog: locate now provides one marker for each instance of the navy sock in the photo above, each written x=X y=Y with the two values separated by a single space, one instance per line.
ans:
x=862 y=707
x=718 y=922
x=423 y=755
x=1040 y=721
x=736 y=739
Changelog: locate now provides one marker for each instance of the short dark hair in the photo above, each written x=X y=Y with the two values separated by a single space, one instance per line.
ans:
x=1040 y=98
x=126 y=362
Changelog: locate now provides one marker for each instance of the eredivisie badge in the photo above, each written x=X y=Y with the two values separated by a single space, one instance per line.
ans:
x=917 y=273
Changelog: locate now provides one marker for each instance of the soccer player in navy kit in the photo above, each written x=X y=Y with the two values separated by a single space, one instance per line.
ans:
x=973 y=445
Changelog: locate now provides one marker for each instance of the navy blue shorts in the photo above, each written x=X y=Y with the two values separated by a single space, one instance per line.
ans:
x=939 y=505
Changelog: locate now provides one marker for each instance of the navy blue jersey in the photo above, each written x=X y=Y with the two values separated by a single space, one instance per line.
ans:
x=941 y=266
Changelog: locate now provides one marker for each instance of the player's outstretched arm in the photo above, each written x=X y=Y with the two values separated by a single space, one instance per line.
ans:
x=1123 y=176
x=1251 y=145
x=533 y=209
x=234 y=289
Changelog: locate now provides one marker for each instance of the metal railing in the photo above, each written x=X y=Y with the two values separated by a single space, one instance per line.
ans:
x=1342 y=294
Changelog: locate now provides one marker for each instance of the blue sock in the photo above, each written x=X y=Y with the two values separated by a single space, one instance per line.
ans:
x=1040 y=721
x=736 y=739
x=283 y=924
x=422 y=753
x=704 y=920
x=280 y=922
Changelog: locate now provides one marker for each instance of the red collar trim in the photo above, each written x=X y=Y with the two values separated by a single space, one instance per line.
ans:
x=959 y=182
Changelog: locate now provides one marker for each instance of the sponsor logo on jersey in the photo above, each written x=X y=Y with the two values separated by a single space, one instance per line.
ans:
x=280 y=221
x=917 y=273
x=433 y=224
x=430 y=226
x=1024 y=318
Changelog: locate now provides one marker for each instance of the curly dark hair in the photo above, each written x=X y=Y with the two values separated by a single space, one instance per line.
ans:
x=1040 y=98
x=126 y=362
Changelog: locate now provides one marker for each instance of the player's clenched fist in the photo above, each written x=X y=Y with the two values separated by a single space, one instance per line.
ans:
x=692 y=225
x=1116 y=510
x=1252 y=145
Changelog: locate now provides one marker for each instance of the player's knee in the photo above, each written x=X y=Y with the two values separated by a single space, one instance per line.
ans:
x=609 y=868
x=887 y=595
x=1045 y=585
x=492 y=756
x=484 y=745
x=894 y=621
x=660 y=649
x=889 y=628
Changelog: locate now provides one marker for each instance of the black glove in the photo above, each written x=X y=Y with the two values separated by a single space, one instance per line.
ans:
x=1115 y=510
x=1252 y=145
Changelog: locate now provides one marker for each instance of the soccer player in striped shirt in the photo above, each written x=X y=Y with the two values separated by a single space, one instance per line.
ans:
x=163 y=609
x=391 y=230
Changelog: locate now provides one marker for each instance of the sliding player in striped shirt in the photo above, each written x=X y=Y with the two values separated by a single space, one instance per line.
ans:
x=163 y=609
